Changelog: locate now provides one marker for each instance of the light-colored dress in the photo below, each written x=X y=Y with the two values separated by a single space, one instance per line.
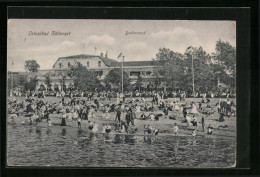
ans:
x=138 y=109
x=188 y=120
x=194 y=109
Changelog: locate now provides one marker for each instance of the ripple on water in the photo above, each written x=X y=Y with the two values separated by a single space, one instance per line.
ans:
x=71 y=147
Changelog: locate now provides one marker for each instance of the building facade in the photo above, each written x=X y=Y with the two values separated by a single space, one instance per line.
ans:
x=97 y=63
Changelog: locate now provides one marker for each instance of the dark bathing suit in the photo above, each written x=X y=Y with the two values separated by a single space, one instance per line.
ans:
x=90 y=127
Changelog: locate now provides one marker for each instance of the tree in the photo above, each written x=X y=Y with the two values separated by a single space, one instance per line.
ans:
x=84 y=79
x=48 y=81
x=226 y=60
x=169 y=64
x=139 y=82
x=16 y=81
x=203 y=75
x=114 y=77
x=31 y=66
x=226 y=56
x=31 y=85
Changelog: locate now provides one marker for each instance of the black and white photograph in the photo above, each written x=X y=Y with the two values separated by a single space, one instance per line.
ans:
x=121 y=93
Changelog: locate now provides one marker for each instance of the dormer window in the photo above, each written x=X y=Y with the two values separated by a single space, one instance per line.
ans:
x=99 y=63
x=60 y=65
x=68 y=64
x=87 y=63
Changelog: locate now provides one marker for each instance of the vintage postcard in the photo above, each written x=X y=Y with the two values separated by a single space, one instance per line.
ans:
x=121 y=93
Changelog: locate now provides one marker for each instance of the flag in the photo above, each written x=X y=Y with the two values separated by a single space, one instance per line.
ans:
x=119 y=55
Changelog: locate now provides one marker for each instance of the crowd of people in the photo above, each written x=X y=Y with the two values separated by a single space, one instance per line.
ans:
x=182 y=94
x=126 y=111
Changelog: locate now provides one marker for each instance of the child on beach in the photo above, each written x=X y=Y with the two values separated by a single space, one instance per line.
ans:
x=91 y=125
x=49 y=122
x=107 y=129
x=194 y=133
x=194 y=122
x=156 y=132
x=79 y=122
x=210 y=130
x=95 y=127
x=202 y=123
x=188 y=119
x=175 y=129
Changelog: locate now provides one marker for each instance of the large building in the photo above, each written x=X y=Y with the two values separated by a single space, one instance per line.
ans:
x=99 y=64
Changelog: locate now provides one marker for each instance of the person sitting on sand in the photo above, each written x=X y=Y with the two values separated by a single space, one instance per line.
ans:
x=151 y=116
x=176 y=107
x=107 y=129
x=91 y=125
x=143 y=116
x=175 y=130
x=210 y=129
x=121 y=128
x=156 y=132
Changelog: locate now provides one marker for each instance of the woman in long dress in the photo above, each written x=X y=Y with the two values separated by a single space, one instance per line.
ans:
x=194 y=108
x=188 y=119
x=138 y=109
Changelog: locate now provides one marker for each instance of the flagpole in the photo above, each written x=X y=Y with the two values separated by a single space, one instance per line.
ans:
x=122 y=76
x=12 y=79
x=193 y=87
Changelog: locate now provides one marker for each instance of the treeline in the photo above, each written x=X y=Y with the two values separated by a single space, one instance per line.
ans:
x=176 y=68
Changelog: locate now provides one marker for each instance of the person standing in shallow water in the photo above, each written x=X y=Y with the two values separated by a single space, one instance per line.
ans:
x=79 y=122
x=175 y=129
x=63 y=120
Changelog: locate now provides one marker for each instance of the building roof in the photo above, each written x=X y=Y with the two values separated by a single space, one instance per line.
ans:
x=108 y=61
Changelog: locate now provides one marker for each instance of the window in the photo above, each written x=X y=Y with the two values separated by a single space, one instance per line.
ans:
x=99 y=63
x=87 y=63
x=100 y=73
x=60 y=65
x=148 y=73
x=143 y=73
x=68 y=64
x=134 y=73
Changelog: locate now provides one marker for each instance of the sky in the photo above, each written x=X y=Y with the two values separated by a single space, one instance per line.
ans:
x=109 y=36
